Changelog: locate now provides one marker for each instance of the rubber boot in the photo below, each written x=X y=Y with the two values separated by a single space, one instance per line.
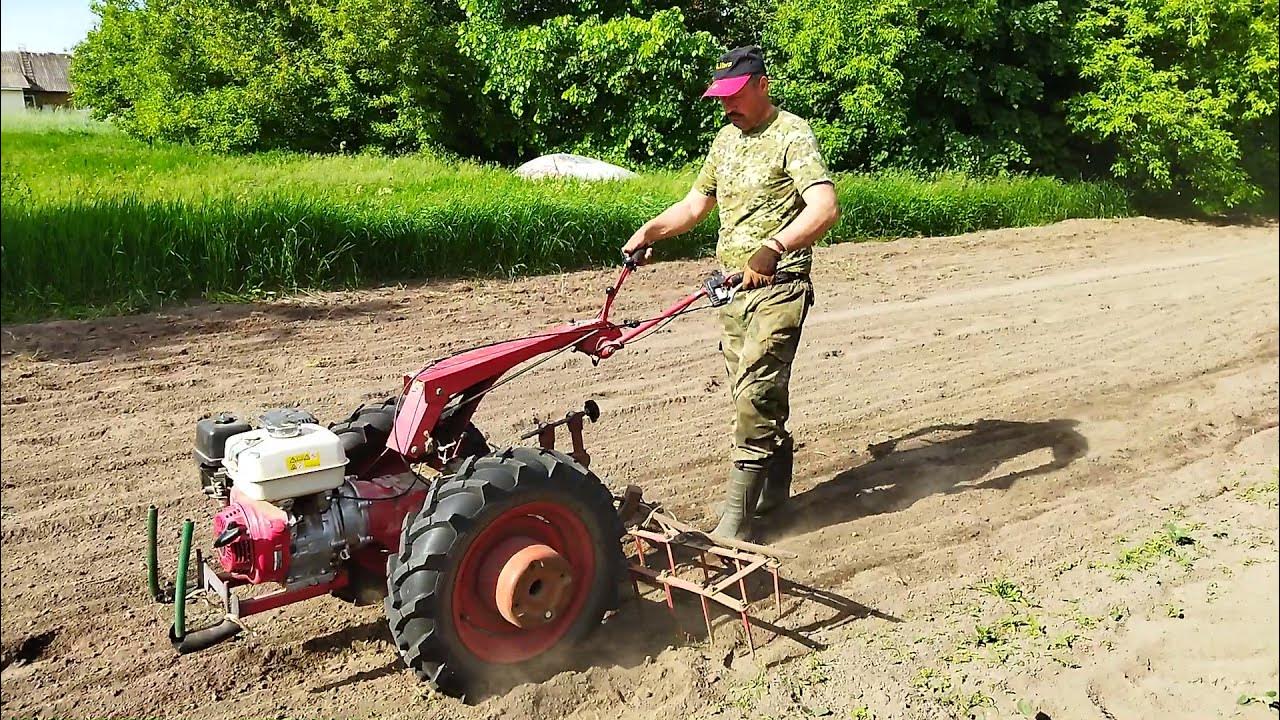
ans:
x=777 y=484
x=741 y=495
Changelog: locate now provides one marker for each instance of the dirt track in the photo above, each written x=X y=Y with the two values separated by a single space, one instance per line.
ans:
x=1038 y=400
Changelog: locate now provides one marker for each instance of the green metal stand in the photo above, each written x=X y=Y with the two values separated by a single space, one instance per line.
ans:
x=153 y=577
x=180 y=582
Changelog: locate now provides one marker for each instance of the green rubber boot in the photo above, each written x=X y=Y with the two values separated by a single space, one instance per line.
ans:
x=741 y=494
x=777 y=484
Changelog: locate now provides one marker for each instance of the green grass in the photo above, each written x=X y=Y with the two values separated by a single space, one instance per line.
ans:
x=1173 y=542
x=52 y=121
x=96 y=222
x=1006 y=590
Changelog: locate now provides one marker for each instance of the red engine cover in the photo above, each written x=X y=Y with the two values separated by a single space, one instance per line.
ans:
x=261 y=553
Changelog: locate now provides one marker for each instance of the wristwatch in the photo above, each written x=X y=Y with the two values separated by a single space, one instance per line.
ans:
x=775 y=244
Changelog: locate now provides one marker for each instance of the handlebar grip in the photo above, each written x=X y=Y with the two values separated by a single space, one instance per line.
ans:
x=634 y=259
x=733 y=280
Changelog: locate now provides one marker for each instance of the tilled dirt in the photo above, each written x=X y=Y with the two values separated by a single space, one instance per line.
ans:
x=1021 y=405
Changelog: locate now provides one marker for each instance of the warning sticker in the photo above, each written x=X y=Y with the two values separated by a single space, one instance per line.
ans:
x=302 y=461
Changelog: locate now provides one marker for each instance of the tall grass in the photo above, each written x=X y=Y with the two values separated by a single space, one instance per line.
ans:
x=52 y=120
x=94 y=221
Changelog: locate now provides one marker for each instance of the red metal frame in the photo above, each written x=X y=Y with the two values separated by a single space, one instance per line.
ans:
x=428 y=393
x=223 y=584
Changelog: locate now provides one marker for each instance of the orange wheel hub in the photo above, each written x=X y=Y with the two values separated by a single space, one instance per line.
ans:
x=530 y=583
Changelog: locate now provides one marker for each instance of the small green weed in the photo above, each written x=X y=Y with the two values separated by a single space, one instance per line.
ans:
x=1267 y=493
x=1065 y=567
x=1006 y=590
x=1006 y=628
x=964 y=705
x=814 y=672
x=745 y=697
x=1064 y=641
x=927 y=678
x=1083 y=621
x=1267 y=698
x=1118 y=613
x=1171 y=542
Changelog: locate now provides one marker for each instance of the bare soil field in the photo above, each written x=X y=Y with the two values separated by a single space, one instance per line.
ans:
x=1036 y=478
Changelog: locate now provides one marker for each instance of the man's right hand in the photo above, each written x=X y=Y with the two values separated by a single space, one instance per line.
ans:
x=638 y=242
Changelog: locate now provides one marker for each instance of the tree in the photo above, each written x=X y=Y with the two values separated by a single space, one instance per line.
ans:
x=1183 y=93
x=929 y=84
x=624 y=88
x=321 y=75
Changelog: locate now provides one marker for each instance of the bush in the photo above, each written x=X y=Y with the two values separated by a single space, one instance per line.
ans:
x=321 y=75
x=621 y=89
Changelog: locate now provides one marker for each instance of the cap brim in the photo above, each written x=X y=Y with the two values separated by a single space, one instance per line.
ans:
x=725 y=87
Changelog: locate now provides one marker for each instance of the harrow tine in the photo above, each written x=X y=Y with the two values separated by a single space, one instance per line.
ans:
x=706 y=582
x=706 y=617
x=671 y=561
x=777 y=591
x=746 y=620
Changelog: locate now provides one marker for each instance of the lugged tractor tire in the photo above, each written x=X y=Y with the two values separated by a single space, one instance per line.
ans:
x=442 y=628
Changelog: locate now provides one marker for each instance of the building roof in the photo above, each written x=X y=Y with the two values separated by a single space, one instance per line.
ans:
x=36 y=71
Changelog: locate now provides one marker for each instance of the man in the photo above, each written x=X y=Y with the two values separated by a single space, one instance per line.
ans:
x=776 y=199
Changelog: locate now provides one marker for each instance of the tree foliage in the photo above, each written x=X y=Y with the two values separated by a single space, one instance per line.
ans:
x=1175 y=97
x=321 y=75
x=622 y=88
x=1185 y=92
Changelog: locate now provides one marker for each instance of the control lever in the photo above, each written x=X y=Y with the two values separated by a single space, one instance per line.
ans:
x=546 y=432
x=229 y=535
x=720 y=289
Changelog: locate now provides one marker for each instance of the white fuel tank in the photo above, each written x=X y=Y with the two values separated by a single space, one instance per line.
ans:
x=268 y=464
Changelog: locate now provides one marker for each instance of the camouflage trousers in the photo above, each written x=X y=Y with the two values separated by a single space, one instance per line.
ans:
x=761 y=331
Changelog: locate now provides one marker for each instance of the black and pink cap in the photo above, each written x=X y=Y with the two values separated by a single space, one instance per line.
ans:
x=734 y=71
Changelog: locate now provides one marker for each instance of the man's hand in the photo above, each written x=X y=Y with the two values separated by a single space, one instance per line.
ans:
x=752 y=279
x=760 y=268
x=638 y=242
x=678 y=218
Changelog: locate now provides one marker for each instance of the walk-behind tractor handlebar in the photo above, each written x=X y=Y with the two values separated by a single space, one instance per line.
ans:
x=448 y=389
x=500 y=558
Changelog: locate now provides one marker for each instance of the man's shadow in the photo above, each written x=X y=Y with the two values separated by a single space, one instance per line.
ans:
x=945 y=458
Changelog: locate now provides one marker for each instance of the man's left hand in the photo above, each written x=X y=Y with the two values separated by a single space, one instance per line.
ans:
x=760 y=268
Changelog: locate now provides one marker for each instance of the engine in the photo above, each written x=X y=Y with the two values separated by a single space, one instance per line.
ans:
x=263 y=542
x=292 y=515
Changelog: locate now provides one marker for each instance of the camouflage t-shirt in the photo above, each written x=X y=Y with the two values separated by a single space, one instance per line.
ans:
x=756 y=179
